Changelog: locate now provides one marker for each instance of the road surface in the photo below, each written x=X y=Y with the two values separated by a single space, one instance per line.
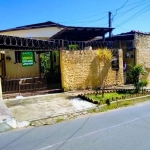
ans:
x=121 y=129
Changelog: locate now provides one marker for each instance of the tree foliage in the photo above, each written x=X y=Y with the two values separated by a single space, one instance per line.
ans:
x=45 y=62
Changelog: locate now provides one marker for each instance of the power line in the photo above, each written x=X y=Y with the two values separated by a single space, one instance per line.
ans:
x=139 y=5
x=123 y=28
x=135 y=15
x=120 y=8
x=123 y=13
x=88 y=22
x=74 y=20
x=104 y=17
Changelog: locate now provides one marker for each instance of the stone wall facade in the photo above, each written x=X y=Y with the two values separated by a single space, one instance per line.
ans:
x=81 y=69
x=142 y=45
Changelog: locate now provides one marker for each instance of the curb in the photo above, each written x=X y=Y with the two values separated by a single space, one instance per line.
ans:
x=59 y=117
x=11 y=123
x=67 y=116
x=4 y=127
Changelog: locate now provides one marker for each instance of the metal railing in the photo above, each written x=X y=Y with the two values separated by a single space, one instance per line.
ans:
x=23 y=85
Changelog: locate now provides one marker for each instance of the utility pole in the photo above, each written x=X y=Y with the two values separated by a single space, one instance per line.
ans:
x=110 y=23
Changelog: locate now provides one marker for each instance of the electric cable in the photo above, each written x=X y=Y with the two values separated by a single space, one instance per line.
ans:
x=120 y=8
x=74 y=20
x=139 y=5
x=135 y=15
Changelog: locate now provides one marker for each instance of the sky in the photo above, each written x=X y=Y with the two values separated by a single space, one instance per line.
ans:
x=127 y=15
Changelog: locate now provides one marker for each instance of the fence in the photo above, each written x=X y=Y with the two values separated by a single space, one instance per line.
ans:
x=21 y=44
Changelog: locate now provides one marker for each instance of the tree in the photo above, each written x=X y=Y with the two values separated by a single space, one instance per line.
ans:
x=45 y=62
x=135 y=74
x=105 y=56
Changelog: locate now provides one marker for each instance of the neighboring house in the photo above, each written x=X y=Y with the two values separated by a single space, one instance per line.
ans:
x=40 y=30
x=139 y=51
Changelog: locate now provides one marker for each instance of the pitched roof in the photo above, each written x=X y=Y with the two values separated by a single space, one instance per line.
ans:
x=126 y=35
x=81 y=33
x=69 y=32
x=33 y=26
x=135 y=32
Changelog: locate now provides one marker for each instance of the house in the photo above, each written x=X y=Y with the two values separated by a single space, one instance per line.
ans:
x=136 y=50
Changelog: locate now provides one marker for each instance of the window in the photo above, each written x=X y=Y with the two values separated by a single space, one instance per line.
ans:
x=18 y=56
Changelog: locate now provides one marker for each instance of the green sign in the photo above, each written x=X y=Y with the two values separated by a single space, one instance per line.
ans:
x=27 y=58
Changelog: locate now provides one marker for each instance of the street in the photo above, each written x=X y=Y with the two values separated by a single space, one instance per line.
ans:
x=121 y=129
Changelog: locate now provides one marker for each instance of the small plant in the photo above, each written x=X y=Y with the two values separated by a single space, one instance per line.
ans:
x=60 y=120
x=24 y=102
x=73 y=47
x=31 y=123
x=135 y=74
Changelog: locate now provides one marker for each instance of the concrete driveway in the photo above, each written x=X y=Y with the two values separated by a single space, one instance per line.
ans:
x=44 y=106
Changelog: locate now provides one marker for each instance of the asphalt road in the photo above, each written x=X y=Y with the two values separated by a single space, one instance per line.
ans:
x=121 y=129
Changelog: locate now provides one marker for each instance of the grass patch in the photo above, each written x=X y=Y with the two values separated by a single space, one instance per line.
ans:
x=110 y=96
x=91 y=111
x=108 y=107
x=114 y=105
x=119 y=103
x=60 y=120
x=125 y=103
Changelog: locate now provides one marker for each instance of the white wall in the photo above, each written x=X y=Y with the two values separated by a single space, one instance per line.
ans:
x=38 y=32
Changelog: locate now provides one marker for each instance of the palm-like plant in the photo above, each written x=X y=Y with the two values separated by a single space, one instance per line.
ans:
x=134 y=74
x=104 y=55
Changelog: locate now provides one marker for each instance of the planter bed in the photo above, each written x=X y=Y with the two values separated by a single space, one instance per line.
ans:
x=110 y=96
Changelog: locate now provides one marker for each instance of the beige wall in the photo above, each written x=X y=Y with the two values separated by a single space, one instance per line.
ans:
x=39 y=32
x=82 y=69
x=17 y=70
x=142 y=44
